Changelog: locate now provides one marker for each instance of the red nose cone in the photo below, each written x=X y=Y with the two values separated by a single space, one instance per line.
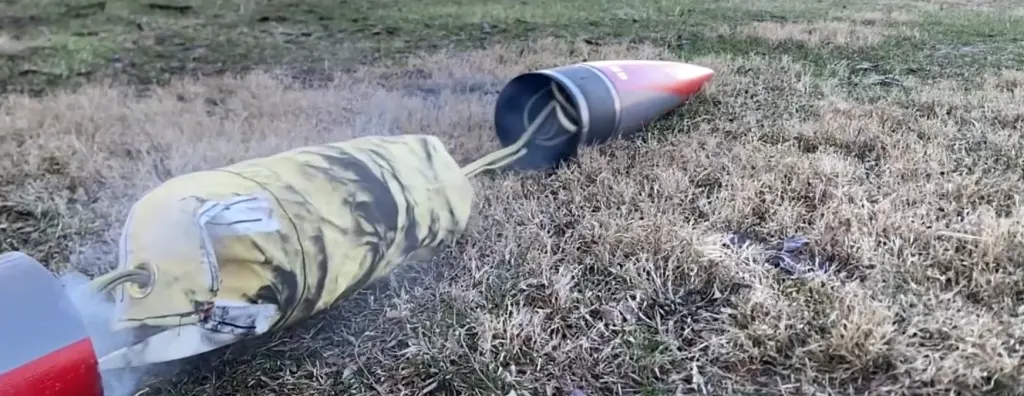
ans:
x=681 y=79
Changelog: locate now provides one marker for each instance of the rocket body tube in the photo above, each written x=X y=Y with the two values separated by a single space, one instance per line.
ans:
x=600 y=101
x=45 y=348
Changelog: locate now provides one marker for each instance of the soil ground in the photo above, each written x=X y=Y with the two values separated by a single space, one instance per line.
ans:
x=886 y=134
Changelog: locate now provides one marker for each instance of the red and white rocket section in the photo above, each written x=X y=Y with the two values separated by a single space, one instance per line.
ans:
x=609 y=99
x=45 y=348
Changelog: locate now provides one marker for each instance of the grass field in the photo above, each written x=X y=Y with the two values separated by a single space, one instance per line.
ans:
x=887 y=133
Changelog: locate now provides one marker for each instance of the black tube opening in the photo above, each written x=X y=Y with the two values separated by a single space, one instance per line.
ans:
x=519 y=104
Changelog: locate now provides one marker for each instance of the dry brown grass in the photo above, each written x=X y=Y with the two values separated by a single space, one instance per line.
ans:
x=613 y=276
x=871 y=18
x=866 y=33
x=983 y=5
x=916 y=6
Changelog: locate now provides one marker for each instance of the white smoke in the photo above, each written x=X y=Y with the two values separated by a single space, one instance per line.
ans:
x=97 y=312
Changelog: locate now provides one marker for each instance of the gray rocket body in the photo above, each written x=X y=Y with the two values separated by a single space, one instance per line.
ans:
x=612 y=100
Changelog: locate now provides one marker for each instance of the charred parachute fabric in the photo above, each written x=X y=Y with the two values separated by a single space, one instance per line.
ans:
x=216 y=256
x=793 y=255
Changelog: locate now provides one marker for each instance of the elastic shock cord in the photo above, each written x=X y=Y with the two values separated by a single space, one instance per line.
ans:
x=566 y=115
x=107 y=282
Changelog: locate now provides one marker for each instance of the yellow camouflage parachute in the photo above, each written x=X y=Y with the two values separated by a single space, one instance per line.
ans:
x=215 y=256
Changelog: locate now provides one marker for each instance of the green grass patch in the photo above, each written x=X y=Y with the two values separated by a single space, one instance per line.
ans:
x=152 y=41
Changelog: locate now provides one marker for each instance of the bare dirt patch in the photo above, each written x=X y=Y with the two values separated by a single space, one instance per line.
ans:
x=11 y=47
x=617 y=275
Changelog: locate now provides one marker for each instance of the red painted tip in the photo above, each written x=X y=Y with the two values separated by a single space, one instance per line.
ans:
x=68 y=371
x=682 y=79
